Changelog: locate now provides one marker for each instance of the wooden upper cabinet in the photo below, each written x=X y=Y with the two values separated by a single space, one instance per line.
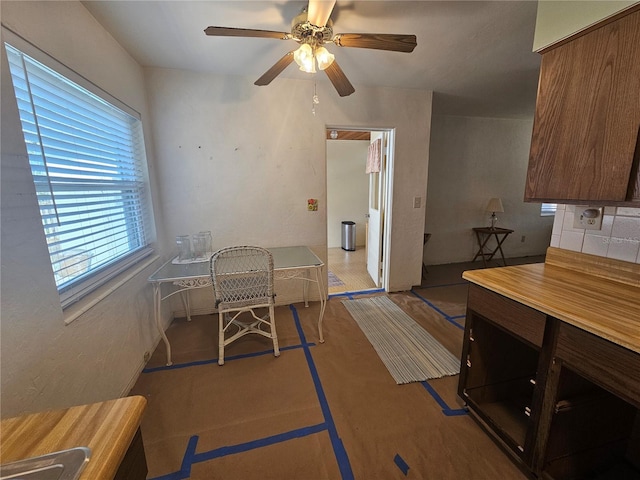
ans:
x=586 y=131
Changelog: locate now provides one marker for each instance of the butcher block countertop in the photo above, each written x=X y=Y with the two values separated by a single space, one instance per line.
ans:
x=107 y=428
x=598 y=295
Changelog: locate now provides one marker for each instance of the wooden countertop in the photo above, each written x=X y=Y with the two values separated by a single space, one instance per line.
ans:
x=577 y=293
x=107 y=428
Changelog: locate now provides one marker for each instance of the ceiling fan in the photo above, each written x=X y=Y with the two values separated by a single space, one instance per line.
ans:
x=312 y=29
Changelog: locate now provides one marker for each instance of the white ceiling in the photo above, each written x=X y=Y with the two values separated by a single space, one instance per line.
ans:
x=476 y=56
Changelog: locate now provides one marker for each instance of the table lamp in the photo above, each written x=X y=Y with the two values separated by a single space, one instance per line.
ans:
x=495 y=205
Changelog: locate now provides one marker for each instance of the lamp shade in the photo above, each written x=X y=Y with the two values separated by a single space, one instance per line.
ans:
x=495 y=205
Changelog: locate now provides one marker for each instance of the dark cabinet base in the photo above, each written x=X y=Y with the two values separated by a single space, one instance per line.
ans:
x=569 y=409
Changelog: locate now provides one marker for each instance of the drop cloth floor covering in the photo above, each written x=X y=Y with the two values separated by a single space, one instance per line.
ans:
x=319 y=411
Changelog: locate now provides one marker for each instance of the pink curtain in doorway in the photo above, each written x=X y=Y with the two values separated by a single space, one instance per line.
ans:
x=373 y=157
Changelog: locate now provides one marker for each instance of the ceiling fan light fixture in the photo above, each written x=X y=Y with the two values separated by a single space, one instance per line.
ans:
x=324 y=57
x=303 y=56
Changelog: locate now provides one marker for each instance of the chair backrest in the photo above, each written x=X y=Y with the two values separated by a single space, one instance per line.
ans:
x=242 y=276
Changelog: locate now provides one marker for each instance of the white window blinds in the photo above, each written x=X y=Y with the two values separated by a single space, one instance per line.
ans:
x=88 y=164
x=547 y=209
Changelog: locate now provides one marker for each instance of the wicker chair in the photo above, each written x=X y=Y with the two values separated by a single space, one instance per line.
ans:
x=242 y=282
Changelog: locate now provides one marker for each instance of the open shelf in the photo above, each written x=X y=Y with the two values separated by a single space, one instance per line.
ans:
x=500 y=381
x=594 y=434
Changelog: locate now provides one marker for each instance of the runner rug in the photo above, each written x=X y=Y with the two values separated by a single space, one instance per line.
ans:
x=408 y=351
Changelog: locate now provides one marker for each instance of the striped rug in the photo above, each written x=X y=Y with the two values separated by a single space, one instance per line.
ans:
x=408 y=351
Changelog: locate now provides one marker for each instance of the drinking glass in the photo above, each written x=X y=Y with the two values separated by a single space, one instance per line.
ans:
x=208 y=241
x=184 y=247
x=199 y=245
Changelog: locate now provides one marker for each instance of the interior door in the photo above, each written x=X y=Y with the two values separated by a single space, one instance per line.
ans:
x=376 y=212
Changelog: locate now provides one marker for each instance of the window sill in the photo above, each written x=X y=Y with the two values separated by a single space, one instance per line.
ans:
x=83 y=306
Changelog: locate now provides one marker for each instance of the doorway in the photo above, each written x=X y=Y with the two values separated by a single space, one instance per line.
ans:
x=353 y=195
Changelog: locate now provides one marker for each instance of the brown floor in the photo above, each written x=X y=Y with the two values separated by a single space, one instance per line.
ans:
x=319 y=411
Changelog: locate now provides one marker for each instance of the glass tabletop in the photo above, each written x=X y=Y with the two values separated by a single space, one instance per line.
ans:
x=283 y=258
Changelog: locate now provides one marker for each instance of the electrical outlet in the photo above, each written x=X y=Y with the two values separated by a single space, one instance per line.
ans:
x=589 y=218
x=417 y=202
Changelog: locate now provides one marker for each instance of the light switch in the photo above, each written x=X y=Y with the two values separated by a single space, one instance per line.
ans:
x=417 y=202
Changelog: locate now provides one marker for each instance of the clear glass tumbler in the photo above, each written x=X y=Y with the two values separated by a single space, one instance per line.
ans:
x=184 y=247
x=199 y=245
x=208 y=242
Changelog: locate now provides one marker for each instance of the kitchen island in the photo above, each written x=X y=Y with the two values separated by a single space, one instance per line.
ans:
x=551 y=364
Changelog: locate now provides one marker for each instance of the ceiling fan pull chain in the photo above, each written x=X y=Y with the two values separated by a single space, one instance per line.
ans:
x=315 y=99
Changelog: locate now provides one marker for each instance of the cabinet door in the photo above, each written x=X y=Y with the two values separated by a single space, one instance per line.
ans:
x=587 y=119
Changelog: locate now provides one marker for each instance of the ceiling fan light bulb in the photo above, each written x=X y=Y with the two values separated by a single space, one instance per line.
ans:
x=303 y=56
x=324 y=57
x=302 y=53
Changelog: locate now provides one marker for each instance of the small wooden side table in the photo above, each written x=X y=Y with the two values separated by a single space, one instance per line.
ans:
x=483 y=234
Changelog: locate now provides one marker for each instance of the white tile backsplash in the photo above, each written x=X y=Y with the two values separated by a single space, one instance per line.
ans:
x=595 y=245
x=628 y=212
x=572 y=240
x=618 y=238
x=622 y=249
x=558 y=222
x=626 y=228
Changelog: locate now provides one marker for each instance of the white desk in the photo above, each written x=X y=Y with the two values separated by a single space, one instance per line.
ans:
x=288 y=263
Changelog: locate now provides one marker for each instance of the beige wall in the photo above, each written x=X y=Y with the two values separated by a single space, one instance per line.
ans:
x=347 y=189
x=45 y=363
x=472 y=160
x=242 y=160
x=556 y=20
x=224 y=155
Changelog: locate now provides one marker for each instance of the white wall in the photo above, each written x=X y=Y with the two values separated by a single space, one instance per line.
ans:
x=242 y=160
x=557 y=20
x=472 y=160
x=46 y=364
x=347 y=189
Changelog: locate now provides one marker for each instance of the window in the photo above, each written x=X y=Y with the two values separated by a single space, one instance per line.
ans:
x=88 y=164
x=548 y=209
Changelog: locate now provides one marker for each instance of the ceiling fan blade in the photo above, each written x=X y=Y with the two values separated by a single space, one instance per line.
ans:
x=276 y=70
x=245 y=32
x=319 y=12
x=339 y=79
x=377 y=41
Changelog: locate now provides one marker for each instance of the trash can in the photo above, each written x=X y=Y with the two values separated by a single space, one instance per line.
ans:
x=349 y=236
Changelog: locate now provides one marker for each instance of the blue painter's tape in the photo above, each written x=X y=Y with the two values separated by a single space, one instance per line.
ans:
x=190 y=457
x=262 y=442
x=350 y=295
x=215 y=360
x=449 y=412
x=338 y=448
x=402 y=465
x=448 y=318
x=187 y=461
